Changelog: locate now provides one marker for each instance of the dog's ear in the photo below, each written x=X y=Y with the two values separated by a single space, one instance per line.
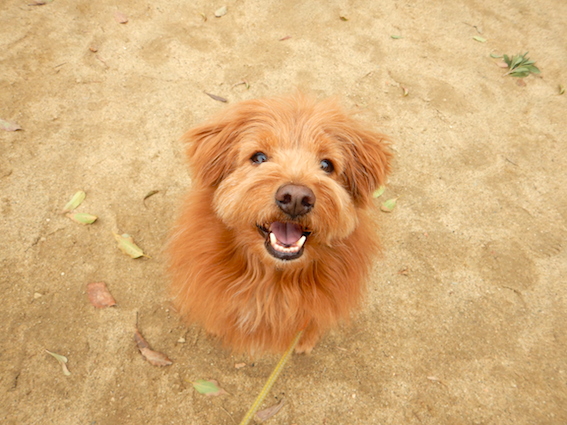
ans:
x=368 y=163
x=210 y=150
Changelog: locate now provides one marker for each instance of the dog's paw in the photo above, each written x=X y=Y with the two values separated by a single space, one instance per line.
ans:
x=306 y=343
x=304 y=350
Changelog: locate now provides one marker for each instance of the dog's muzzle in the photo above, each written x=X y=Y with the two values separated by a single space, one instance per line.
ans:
x=295 y=200
x=284 y=240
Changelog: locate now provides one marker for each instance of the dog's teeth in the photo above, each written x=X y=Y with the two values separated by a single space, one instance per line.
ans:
x=287 y=249
x=273 y=240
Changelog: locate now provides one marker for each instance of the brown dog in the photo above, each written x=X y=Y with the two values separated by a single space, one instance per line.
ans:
x=275 y=235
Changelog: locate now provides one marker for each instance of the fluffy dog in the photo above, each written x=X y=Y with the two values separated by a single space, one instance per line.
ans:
x=275 y=235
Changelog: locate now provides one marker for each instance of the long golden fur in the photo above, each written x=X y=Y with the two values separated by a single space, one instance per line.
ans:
x=266 y=173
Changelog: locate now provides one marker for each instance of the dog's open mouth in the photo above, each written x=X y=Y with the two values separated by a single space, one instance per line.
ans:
x=284 y=240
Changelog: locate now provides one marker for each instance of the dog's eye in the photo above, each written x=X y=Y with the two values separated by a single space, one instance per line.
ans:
x=259 y=157
x=327 y=166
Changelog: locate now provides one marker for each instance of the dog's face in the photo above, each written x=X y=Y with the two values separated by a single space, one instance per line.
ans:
x=288 y=174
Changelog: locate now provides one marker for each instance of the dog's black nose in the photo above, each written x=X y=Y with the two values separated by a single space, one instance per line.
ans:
x=295 y=200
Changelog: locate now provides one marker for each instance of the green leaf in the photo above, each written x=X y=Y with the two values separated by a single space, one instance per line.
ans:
x=379 y=192
x=520 y=69
x=495 y=56
x=516 y=60
x=479 y=39
x=209 y=388
x=82 y=218
x=389 y=205
x=75 y=201
x=396 y=37
x=520 y=66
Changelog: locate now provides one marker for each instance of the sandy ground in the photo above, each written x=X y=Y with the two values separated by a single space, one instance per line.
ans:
x=466 y=318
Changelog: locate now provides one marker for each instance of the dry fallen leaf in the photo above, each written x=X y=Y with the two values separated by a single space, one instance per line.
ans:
x=120 y=17
x=221 y=11
x=436 y=379
x=215 y=97
x=40 y=3
x=154 y=357
x=243 y=82
x=127 y=246
x=62 y=360
x=9 y=126
x=150 y=193
x=99 y=295
x=209 y=388
x=75 y=201
x=265 y=414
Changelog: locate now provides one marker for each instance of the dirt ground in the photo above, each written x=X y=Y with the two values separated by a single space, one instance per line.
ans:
x=466 y=318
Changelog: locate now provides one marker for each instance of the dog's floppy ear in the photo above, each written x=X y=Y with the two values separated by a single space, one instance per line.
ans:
x=210 y=150
x=368 y=163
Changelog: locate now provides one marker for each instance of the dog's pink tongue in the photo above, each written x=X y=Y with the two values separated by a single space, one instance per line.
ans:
x=286 y=233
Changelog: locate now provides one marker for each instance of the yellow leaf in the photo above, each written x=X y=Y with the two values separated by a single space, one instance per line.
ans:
x=221 y=11
x=62 y=361
x=75 y=201
x=82 y=218
x=127 y=246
